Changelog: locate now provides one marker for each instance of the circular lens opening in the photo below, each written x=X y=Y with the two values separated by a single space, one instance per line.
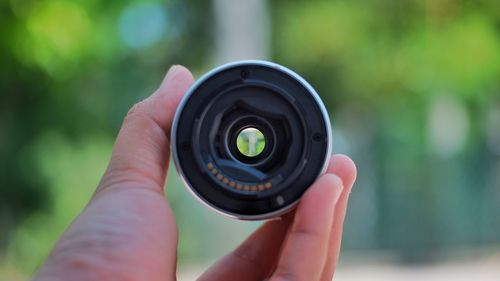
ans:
x=250 y=142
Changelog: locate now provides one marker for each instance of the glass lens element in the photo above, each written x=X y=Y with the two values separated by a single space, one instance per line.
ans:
x=251 y=142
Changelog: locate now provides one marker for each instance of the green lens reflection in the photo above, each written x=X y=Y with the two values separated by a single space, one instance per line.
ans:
x=251 y=142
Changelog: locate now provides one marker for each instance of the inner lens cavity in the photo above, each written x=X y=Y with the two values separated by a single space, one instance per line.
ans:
x=251 y=142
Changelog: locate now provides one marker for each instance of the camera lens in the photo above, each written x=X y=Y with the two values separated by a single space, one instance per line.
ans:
x=249 y=138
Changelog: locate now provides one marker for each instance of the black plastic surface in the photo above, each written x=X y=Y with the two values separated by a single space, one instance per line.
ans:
x=251 y=96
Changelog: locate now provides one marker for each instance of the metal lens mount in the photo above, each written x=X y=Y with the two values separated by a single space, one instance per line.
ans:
x=290 y=129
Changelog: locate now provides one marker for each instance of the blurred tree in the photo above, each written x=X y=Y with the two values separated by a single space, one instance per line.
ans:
x=395 y=61
x=413 y=87
x=74 y=68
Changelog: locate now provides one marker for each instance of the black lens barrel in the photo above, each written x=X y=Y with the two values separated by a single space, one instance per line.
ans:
x=251 y=94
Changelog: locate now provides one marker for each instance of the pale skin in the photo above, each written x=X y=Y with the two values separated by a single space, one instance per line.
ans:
x=128 y=230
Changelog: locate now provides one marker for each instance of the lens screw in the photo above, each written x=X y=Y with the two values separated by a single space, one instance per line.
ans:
x=244 y=74
x=317 y=137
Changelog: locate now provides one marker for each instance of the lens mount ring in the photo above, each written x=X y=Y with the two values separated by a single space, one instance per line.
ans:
x=250 y=94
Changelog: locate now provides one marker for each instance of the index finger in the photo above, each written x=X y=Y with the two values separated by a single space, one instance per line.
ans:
x=304 y=253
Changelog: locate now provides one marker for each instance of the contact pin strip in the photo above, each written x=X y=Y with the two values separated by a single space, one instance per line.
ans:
x=238 y=186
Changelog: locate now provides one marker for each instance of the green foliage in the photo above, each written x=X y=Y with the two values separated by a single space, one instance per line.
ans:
x=67 y=78
x=410 y=85
x=368 y=56
x=72 y=171
x=395 y=75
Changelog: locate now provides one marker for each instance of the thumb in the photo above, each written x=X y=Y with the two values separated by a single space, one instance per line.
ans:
x=141 y=152
x=127 y=231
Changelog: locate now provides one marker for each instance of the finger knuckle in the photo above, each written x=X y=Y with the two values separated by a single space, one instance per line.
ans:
x=250 y=255
x=138 y=116
x=307 y=233
x=284 y=274
x=136 y=109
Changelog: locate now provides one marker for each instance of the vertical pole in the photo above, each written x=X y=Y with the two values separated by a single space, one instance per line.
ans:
x=241 y=30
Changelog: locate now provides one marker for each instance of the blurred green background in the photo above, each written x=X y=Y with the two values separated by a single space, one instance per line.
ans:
x=413 y=88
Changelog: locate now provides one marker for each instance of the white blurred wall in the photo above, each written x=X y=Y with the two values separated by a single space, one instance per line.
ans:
x=241 y=30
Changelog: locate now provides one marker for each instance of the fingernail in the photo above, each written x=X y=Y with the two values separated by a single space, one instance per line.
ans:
x=173 y=69
x=174 y=66
x=337 y=184
x=170 y=74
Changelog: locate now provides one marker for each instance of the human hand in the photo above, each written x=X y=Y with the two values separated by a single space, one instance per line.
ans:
x=128 y=231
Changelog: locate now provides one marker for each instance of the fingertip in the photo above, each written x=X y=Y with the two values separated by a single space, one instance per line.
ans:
x=179 y=74
x=324 y=192
x=164 y=102
x=344 y=167
x=333 y=179
x=174 y=85
x=304 y=252
x=334 y=183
